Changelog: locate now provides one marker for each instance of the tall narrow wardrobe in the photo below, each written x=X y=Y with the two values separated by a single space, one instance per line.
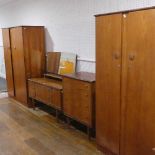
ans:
x=24 y=58
x=125 y=82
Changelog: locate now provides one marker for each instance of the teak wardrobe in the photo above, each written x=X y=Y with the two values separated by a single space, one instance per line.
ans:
x=125 y=82
x=24 y=58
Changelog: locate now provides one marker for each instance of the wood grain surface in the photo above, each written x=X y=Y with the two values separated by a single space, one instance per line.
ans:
x=28 y=132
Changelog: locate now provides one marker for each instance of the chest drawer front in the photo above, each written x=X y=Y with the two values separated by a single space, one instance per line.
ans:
x=77 y=100
x=82 y=106
x=77 y=84
x=31 y=89
x=43 y=94
x=56 y=98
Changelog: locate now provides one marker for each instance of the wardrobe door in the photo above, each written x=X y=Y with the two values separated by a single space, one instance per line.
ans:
x=138 y=128
x=8 y=62
x=18 y=64
x=108 y=70
x=34 y=48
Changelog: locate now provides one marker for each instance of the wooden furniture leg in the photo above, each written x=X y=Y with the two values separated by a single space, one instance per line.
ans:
x=57 y=115
x=33 y=104
x=89 y=133
x=68 y=122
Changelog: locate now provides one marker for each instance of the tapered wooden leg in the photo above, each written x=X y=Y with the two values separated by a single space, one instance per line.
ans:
x=68 y=121
x=33 y=103
x=57 y=115
x=89 y=133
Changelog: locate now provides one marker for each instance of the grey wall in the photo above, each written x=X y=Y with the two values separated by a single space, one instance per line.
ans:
x=2 y=65
x=70 y=24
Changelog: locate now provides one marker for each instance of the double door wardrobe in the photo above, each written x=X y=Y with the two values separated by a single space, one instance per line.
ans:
x=24 y=55
x=125 y=82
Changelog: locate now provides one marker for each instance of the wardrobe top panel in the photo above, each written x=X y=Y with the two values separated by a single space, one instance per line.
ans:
x=21 y=26
x=125 y=11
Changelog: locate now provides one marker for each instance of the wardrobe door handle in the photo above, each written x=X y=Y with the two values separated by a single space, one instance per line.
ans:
x=116 y=55
x=131 y=57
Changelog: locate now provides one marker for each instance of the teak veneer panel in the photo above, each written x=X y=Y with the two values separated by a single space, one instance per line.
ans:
x=138 y=109
x=24 y=50
x=34 y=48
x=48 y=82
x=18 y=62
x=125 y=87
x=82 y=76
x=8 y=62
x=108 y=70
x=52 y=62
x=48 y=91
x=78 y=99
x=43 y=93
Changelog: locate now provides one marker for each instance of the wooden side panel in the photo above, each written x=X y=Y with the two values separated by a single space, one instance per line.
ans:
x=18 y=64
x=138 y=137
x=8 y=62
x=34 y=48
x=108 y=72
x=52 y=62
x=77 y=100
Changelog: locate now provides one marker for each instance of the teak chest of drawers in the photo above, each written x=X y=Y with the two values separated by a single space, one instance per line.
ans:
x=73 y=95
x=78 y=97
